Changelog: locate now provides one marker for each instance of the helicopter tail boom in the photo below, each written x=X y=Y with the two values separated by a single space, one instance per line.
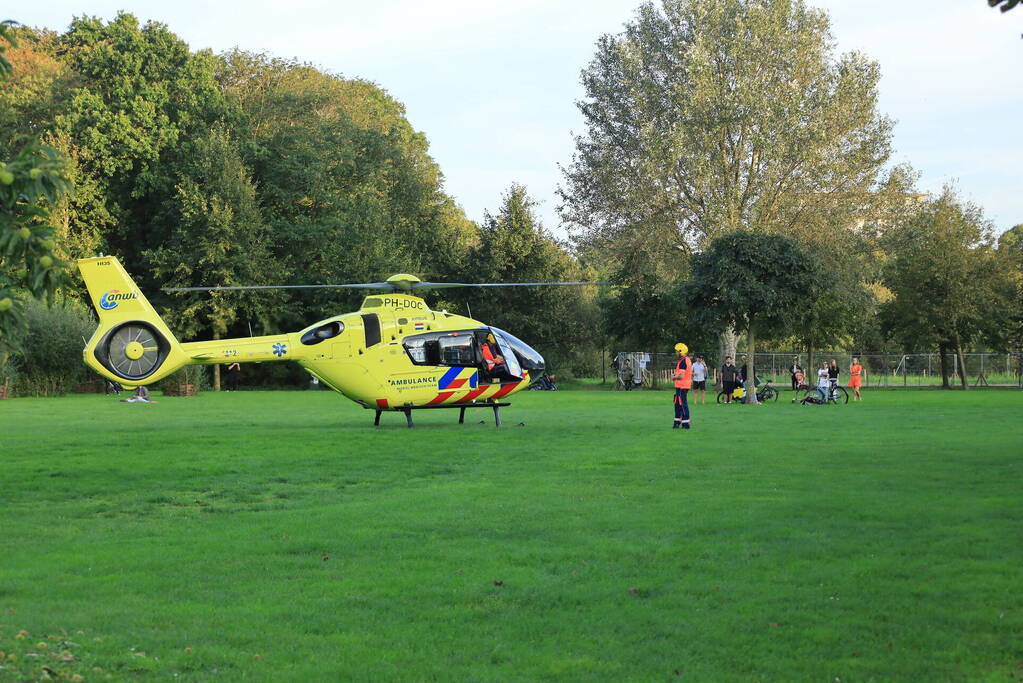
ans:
x=132 y=345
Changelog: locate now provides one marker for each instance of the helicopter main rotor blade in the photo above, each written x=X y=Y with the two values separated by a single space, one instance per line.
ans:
x=363 y=285
x=446 y=285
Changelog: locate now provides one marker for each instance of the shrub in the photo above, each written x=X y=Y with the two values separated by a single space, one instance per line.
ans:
x=49 y=361
x=197 y=375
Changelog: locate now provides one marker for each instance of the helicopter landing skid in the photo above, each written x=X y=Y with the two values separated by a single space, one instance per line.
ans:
x=461 y=413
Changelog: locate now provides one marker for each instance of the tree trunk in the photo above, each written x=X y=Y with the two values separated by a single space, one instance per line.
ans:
x=728 y=341
x=962 y=363
x=942 y=351
x=809 y=369
x=751 y=372
x=216 y=366
x=651 y=366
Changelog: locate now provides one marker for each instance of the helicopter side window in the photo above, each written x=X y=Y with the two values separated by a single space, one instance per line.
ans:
x=457 y=349
x=431 y=352
x=371 y=323
x=423 y=349
x=323 y=332
x=442 y=348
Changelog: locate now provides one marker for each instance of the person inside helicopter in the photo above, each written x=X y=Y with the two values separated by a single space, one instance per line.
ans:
x=498 y=355
x=493 y=361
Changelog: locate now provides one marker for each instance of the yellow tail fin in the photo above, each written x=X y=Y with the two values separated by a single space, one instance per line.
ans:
x=132 y=344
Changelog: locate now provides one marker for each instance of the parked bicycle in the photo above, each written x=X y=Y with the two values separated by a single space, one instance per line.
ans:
x=765 y=393
x=817 y=396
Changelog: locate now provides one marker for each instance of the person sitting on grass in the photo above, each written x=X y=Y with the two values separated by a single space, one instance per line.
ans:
x=141 y=395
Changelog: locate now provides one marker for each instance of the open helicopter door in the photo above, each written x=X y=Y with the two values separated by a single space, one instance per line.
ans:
x=511 y=361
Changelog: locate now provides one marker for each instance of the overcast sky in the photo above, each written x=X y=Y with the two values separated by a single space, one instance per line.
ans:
x=493 y=84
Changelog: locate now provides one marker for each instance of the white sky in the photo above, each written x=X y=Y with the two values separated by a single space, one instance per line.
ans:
x=493 y=84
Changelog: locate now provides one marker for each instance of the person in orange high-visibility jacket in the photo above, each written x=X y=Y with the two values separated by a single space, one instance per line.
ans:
x=491 y=357
x=683 y=383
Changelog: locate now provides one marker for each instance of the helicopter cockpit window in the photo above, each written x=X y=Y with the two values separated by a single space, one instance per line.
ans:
x=509 y=362
x=527 y=355
x=442 y=348
x=323 y=332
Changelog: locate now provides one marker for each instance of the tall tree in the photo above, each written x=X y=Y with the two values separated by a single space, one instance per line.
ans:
x=219 y=238
x=752 y=282
x=1006 y=333
x=346 y=184
x=30 y=184
x=515 y=247
x=709 y=116
x=139 y=93
x=947 y=279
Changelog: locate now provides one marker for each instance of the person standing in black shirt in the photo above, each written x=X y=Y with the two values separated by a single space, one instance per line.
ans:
x=796 y=367
x=233 y=370
x=729 y=378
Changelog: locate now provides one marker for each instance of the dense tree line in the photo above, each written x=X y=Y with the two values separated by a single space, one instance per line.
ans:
x=201 y=169
x=719 y=134
x=707 y=118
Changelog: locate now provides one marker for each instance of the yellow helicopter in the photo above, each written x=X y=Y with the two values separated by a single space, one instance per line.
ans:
x=393 y=354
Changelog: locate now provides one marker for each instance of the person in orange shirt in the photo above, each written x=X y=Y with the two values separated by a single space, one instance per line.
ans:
x=492 y=358
x=683 y=377
x=856 y=378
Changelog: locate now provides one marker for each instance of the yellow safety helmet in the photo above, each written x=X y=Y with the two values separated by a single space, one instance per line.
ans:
x=682 y=348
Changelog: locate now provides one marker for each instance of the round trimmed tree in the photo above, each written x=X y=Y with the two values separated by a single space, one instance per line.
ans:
x=752 y=282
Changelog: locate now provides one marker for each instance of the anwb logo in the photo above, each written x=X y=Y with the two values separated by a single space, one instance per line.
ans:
x=111 y=299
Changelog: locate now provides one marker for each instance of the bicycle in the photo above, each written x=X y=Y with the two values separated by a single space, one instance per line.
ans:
x=816 y=396
x=765 y=393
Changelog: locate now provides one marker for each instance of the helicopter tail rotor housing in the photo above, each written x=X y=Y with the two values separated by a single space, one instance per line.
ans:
x=133 y=350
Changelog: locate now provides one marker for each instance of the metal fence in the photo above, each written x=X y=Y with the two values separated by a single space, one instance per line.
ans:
x=880 y=369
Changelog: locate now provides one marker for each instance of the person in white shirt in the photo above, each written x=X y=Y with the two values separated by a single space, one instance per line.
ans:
x=823 y=381
x=699 y=380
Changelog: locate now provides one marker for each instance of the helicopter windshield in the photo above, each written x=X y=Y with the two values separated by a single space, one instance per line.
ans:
x=525 y=354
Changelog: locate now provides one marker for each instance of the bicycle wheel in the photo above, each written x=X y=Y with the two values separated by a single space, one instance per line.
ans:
x=769 y=394
x=814 y=395
x=839 y=395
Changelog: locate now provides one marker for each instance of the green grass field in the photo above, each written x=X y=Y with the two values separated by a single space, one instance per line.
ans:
x=279 y=536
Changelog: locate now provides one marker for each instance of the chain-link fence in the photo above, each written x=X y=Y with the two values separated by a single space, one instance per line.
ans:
x=650 y=370
x=654 y=370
